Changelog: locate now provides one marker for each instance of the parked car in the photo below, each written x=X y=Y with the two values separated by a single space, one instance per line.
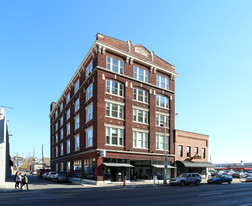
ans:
x=219 y=179
x=186 y=178
x=51 y=175
x=45 y=175
x=239 y=175
x=249 y=178
x=60 y=177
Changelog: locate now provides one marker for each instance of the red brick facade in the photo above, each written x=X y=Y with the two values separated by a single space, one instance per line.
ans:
x=131 y=56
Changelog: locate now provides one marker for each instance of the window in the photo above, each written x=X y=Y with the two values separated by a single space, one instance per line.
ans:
x=140 y=95
x=76 y=142
x=140 y=140
x=114 y=136
x=162 y=82
x=89 y=69
x=89 y=137
x=68 y=114
x=56 y=151
x=180 y=150
x=140 y=74
x=61 y=149
x=56 y=138
x=77 y=166
x=196 y=150
x=68 y=167
x=115 y=65
x=203 y=153
x=140 y=116
x=52 y=153
x=160 y=142
x=61 y=106
x=61 y=134
x=68 y=146
x=162 y=101
x=113 y=87
x=77 y=86
x=114 y=110
x=68 y=129
x=68 y=97
x=161 y=119
x=56 y=126
x=52 y=138
x=76 y=105
x=89 y=92
x=57 y=167
x=89 y=112
x=188 y=151
x=62 y=167
x=89 y=168
x=76 y=122
x=56 y=114
x=61 y=121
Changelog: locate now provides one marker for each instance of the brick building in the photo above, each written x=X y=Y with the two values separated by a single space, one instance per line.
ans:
x=191 y=151
x=109 y=121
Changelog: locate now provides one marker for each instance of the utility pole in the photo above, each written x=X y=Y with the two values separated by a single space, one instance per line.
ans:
x=42 y=155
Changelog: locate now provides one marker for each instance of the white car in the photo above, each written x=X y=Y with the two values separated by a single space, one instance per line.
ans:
x=249 y=178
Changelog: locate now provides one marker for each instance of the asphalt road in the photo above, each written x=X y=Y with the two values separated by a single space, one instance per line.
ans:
x=47 y=193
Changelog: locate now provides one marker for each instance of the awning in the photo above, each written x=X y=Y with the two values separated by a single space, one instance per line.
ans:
x=117 y=164
x=162 y=166
x=196 y=164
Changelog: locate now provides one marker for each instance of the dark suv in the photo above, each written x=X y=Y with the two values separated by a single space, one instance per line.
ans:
x=186 y=179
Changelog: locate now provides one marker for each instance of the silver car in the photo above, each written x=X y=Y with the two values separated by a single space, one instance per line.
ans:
x=186 y=179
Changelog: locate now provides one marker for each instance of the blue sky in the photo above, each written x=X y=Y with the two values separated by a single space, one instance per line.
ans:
x=42 y=43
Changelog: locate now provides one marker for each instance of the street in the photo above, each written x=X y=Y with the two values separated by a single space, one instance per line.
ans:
x=47 y=193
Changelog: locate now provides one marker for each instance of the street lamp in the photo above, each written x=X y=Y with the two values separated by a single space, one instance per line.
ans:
x=165 y=152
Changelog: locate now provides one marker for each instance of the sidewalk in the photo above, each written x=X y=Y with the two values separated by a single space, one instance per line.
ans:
x=8 y=186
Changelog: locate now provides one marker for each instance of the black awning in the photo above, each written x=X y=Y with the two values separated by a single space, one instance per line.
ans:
x=196 y=164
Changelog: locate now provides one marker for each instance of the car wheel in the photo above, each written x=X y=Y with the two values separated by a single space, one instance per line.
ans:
x=182 y=183
x=197 y=182
x=229 y=182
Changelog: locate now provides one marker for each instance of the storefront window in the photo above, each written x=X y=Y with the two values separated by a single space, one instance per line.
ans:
x=89 y=168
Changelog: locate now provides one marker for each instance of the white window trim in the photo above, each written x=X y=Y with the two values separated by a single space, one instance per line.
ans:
x=115 y=126
x=77 y=106
x=137 y=140
x=166 y=97
x=137 y=95
x=118 y=89
x=88 y=73
x=118 y=137
x=167 y=142
x=158 y=79
x=144 y=116
x=87 y=130
x=75 y=137
x=111 y=65
x=87 y=114
x=75 y=118
x=166 y=119
x=68 y=152
x=91 y=92
x=118 y=111
x=67 y=129
x=144 y=74
x=76 y=89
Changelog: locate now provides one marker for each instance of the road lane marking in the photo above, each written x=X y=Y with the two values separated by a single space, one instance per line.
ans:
x=42 y=198
x=208 y=194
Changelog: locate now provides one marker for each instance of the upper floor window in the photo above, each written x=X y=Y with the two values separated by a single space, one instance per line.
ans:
x=61 y=106
x=114 y=110
x=114 y=136
x=140 y=116
x=160 y=142
x=89 y=92
x=115 y=65
x=68 y=146
x=162 y=101
x=89 y=112
x=188 y=151
x=68 y=129
x=61 y=149
x=140 y=74
x=162 y=120
x=61 y=134
x=180 y=151
x=56 y=151
x=56 y=114
x=76 y=122
x=162 y=82
x=61 y=121
x=89 y=137
x=68 y=114
x=140 y=95
x=196 y=150
x=76 y=86
x=56 y=126
x=56 y=137
x=76 y=105
x=140 y=140
x=203 y=153
x=68 y=97
x=113 y=87
x=77 y=142
x=89 y=69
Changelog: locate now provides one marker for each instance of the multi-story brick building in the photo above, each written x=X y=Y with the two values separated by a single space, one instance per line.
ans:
x=191 y=152
x=110 y=119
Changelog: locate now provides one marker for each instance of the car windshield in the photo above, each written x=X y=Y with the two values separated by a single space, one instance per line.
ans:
x=182 y=175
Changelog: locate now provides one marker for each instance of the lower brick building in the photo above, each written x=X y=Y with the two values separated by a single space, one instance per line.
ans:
x=115 y=117
x=191 y=151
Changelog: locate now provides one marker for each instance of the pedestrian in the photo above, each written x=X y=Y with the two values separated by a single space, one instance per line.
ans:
x=16 y=180
x=19 y=179
x=24 y=182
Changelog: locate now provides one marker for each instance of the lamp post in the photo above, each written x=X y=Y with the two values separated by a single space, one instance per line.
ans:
x=165 y=152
